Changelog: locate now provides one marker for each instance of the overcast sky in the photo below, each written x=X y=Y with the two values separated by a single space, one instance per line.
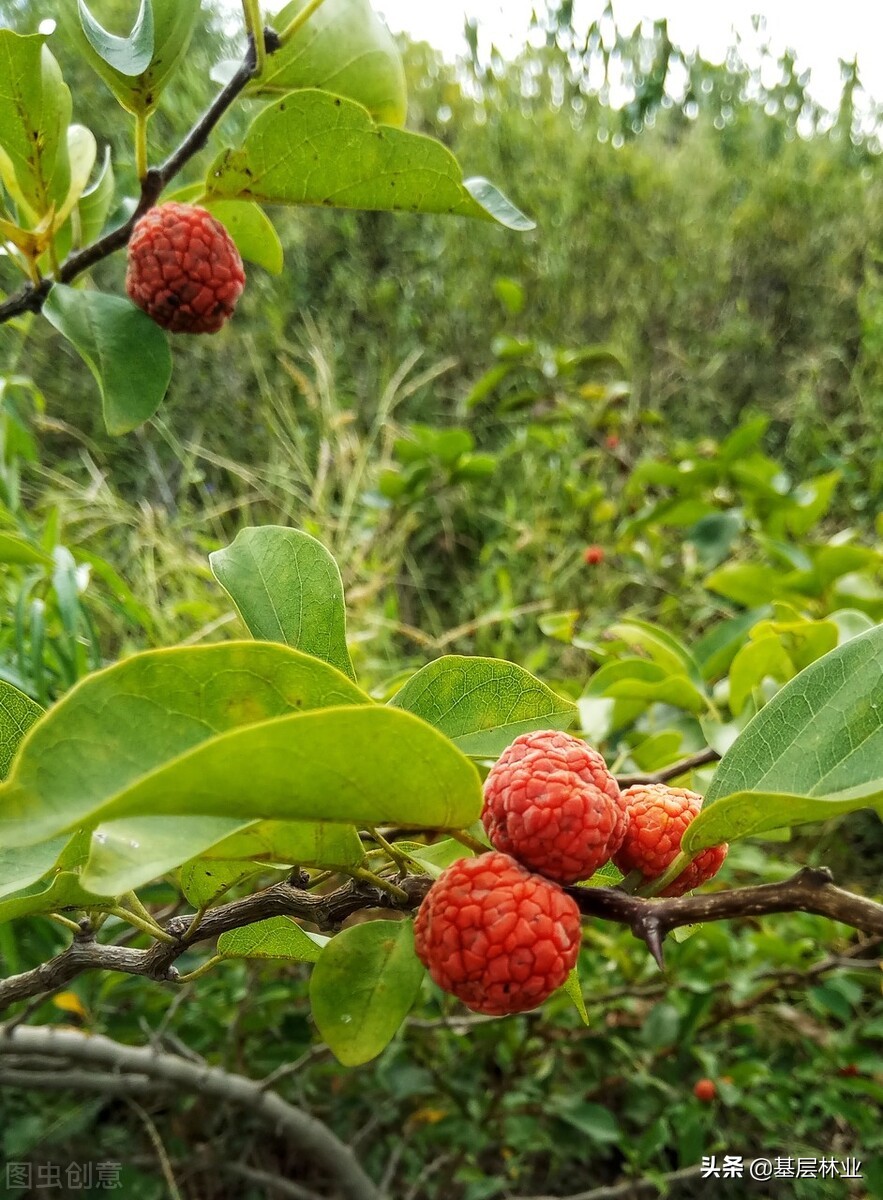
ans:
x=818 y=30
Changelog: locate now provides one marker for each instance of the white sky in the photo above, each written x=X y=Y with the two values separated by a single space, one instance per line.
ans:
x=820 y=32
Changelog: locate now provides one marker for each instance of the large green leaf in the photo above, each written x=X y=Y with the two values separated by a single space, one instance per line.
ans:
x=173 y=25
x=18 y=713
x=25 y=865
x=363 y=986
x=186 y=732
x=126 y=352
x=123 y=724
x=60 y=889
x=814 y=751
x=287 y=588
x=314 y=148
x=343 y=48
x=483 y=704
x=35 y=111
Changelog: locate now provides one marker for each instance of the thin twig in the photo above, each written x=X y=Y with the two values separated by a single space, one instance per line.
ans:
x=673 y=771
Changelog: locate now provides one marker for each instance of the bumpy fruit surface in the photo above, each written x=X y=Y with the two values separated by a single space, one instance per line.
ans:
x=496 y=936
x=704 y=1090
x=550 y=802
x=657 y=818
x=184 y=269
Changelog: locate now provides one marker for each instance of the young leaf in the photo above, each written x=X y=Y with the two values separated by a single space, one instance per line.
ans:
x=292 y=155
x=35 y=111
x=126 y=55
x=343 y=48
x=363 y=987
x=482 y=704
x=287 y=588
x=94 y=204
x=204 y=882
x=21 y=868
x=126 y=352
x=816 y=750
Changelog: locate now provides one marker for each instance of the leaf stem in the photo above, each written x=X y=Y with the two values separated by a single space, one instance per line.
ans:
x=402 y=860
x=672 y=871
x=68 y=924
x=206 y=967
x=301 y=19
x=141 y=119
x=378 y=881
x=255 y=27
x=150 y=927
x=466 y=839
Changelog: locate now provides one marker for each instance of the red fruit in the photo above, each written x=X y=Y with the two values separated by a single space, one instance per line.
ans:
x=496 y=936
x=657 y=816
x=593 y=555
x=184 y=269
x=550 y=802
x=849 y=1071
x=611 y=441
x=704 y=1090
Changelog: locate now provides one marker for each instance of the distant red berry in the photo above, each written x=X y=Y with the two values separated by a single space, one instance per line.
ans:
x=612 y=441
x=849 y=1071
x=593 y=555
x=550 y=802
x=704 y=1090
x=657 y=816
x=496 y=936
x=184 y=269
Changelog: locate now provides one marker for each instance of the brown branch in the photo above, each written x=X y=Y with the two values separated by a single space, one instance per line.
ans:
x=312 y=1138
x=810 y=890
x=673 y=771
x=31 y=297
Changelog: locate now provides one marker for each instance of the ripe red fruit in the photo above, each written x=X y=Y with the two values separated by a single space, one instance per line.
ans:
x=612 y=441
x=704 y=1090
x=593 y=555
x=184 y=269
x=550 y=802
x=499 y=938
x=657 y=816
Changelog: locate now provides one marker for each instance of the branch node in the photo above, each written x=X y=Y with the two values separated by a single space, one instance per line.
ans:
x=272 y=40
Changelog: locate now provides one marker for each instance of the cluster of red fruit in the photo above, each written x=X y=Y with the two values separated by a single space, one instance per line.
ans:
x=499 y=931
x=184 y=269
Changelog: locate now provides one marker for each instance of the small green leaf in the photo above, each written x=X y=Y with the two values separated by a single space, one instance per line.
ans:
x=292 y=155
x=363 y=987
x=14 y=549
x=287 y=588
x=127 y=55
x=575 y=992
x=483 y=704
x=277 y=937
x=126 y=352
x=95 y=202
x=595 y=1121
x=203 y=882
x=343 y=48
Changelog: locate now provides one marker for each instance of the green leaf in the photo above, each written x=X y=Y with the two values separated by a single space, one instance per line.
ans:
x=35 y=111
x=343 y=48
x=661 y=647
x=716 y=649
x=24 y=866
x=249 y=226
x=205 y=882
x=95 y=202
x=14 y=549
x=277 y=937
x=18 y=713
x=126 y=55
x=363 y=987
x=138 y=92
x=813 y=752
x=595 y=1121
x=748 y=584
x=483 y=704
x=575 y=992
x=126 y=352
x=190 y=732
x=153 y=707
x=299 y=843
x=287 y=588
x=292 y=154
